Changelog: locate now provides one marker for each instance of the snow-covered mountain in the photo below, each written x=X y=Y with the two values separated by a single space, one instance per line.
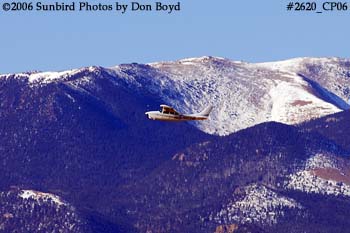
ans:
x=80 y=138
x=247 y=94
x=243 y=94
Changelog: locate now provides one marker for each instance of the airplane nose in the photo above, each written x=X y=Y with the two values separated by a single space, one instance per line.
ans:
x=149 y=115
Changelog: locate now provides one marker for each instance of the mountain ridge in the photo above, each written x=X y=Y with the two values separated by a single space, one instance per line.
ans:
x=243 y=94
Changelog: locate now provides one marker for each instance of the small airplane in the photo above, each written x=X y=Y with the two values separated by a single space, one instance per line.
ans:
x=168 y=113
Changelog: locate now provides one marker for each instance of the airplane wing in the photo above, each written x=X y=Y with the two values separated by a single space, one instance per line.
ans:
x=168 y=109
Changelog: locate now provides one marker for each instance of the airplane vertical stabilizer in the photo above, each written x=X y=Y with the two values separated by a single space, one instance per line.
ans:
x=206 y=111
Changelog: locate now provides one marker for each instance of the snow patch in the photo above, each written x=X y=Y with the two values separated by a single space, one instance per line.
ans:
x=260 y=204
x=293 y=103
x=297 y=64
x=25 y=194
x=307 y=182
x=320 y=161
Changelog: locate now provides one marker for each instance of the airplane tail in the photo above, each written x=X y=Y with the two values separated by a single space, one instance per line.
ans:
x=206 y=111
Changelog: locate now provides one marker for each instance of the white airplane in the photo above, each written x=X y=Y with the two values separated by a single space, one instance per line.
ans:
x=170 y=114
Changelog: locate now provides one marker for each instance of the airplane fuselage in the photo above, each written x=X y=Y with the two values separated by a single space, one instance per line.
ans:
x=156 y=115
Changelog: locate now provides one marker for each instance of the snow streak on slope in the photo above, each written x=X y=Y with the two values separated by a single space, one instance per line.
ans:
x=40 y=77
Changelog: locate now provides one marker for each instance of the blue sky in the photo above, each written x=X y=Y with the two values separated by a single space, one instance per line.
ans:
x=251 y=31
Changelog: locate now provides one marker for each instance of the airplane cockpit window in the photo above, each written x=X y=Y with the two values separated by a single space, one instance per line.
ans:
x=169 y=111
